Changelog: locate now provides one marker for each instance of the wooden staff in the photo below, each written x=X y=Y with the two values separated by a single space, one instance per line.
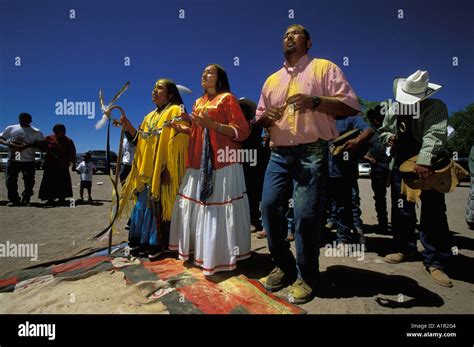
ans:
x=117 y=169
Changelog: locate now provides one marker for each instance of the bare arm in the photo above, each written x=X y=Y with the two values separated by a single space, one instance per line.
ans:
x=366 y=135
x=128 y=126
x=328 y=104
x=359 y=140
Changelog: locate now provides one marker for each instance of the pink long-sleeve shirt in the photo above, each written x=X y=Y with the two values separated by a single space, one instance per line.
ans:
x=315 y=77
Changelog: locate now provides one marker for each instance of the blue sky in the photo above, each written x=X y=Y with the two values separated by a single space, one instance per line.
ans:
x=63 y=58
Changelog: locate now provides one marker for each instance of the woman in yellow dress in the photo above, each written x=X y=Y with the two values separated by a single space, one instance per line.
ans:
x=157 y=170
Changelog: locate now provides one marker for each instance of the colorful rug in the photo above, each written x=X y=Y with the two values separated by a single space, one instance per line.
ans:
x=165 y=286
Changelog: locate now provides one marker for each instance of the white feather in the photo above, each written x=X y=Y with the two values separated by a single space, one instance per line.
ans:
x=100 y=124
x=183 y=89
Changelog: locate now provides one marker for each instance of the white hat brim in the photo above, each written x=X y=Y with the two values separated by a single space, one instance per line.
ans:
x=409 y=99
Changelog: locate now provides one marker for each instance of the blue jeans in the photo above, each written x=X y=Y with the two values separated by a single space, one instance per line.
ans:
x=291 y=220
x=356 y=211
x=304 y=166
x=378 y=179
x=434 y=230
x=343 y=201
x=341 y=206
x=289 y=217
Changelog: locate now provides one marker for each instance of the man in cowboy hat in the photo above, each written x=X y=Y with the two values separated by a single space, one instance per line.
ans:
x=423 y=134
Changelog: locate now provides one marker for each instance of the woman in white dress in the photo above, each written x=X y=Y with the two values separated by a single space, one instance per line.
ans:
x=211 y=219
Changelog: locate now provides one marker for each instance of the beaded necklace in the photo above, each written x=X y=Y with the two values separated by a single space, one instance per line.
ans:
x=151 y=127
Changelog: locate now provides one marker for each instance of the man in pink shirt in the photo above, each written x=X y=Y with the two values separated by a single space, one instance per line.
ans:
x=299 y=104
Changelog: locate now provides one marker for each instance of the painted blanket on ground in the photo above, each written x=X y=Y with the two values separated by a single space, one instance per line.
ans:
x=117 y=284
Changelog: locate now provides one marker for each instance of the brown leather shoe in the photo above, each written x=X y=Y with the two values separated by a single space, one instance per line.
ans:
x=275 y=280
x=300 y=292
x=396 y=258
x=261 y=234
x=440 y=277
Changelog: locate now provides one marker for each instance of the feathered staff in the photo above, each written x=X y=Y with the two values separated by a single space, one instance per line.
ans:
x=107 y=119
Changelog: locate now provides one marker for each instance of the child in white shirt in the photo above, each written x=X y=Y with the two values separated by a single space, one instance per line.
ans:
x=86 y=169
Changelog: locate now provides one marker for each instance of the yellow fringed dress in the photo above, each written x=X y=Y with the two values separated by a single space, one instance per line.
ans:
x=158 y=148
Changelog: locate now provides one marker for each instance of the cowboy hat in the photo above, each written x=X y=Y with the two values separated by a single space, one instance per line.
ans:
x=444 y=180
x=414 y=88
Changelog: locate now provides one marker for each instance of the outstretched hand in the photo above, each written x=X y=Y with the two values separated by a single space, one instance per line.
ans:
x=352 y=145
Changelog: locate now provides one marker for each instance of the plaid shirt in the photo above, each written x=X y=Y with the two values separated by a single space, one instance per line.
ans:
x=430 y=129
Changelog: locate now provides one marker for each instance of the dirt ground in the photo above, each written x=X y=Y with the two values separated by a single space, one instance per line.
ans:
x=348 y=284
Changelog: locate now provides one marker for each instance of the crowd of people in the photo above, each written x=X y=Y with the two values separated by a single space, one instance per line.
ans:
x=23 y=140
x=308 y=134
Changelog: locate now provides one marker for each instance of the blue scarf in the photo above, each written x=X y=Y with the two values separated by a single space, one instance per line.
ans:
x=205 y=169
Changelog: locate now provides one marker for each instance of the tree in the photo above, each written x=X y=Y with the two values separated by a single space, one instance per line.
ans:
x=463 y=123
x=366 y=106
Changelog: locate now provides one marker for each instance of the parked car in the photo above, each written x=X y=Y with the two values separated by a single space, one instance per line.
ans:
x=98 y=159
x=39 y=160
x=364 y=169
x=3 y=160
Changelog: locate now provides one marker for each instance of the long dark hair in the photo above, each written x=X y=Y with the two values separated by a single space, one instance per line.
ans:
x=222 y=84
x=172 y=90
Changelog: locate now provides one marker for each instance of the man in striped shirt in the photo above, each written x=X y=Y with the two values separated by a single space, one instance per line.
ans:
x=423 y=134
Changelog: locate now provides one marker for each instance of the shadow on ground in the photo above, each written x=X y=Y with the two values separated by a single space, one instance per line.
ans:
x=340 y=281
x=463 y=242
x=66 y=204
x=461 y=268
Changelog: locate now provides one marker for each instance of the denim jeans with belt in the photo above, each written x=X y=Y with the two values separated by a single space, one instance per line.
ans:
x=304 y=166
